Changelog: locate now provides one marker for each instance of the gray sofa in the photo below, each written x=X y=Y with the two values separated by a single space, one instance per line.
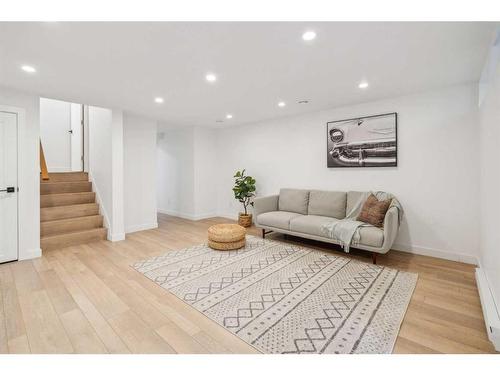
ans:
x=302 y=213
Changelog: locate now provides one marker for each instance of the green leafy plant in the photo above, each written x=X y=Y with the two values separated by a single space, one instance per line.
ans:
x=244 y=189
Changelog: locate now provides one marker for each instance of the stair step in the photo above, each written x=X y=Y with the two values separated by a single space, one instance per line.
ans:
x=65 y=187
x=53 y=227
x=59 y=241
x=65 y=199
x=66 y=177
x=67 y=212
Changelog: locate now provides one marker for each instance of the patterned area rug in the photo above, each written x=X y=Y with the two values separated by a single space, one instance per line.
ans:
x=283 y=298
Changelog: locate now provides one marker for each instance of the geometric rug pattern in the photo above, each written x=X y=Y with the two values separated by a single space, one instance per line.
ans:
x=284 y=298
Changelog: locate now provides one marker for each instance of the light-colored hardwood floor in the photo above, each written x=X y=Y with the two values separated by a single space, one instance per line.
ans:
x=87 y=299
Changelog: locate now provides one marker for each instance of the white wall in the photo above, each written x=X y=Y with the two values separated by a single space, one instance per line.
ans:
x=139 y=159
x=490 y=183
x=55 y=123
x=29 y=176
x=100 y=157
x=175 y=172
x=106 y=166
x=187 y=172
x=205 y=172
x=436 y=178
x=117 y=178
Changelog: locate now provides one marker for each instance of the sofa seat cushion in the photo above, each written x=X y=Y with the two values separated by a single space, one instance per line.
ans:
x=371 y=236
x=277 y=219
x=327 y=203
x=311 y=224
x=294 y=200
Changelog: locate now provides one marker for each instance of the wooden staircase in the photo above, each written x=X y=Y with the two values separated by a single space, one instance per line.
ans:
x=69 y=214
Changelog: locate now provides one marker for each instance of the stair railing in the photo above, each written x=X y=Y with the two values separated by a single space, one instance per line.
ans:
x=43 y=165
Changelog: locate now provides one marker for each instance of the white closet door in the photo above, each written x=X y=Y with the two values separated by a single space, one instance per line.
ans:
x=8 y=187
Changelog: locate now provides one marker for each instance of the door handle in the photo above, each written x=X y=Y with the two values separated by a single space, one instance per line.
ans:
x=10 y=189
x=70 y=131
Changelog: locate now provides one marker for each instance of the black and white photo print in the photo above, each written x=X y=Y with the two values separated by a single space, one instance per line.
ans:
x=369 y=141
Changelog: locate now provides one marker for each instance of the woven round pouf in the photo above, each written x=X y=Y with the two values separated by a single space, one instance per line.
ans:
x=226 y=236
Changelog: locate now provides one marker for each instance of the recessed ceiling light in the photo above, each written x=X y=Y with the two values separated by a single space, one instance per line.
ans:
x=159 y=100
x=229 y=116
x=210 y=77
x=281 y=104
x=28 y=69
x=363 y=85
x=309 y=35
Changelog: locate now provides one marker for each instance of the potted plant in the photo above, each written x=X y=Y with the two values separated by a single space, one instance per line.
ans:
x=244 y=191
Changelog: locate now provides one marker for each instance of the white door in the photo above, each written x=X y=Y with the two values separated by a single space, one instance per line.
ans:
x=55 y=132
x=8 y=186
x=76 y=138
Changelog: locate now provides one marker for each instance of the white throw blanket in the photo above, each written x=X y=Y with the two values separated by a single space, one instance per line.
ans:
x=346 y=231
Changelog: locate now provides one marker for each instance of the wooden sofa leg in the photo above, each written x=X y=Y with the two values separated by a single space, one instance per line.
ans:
x=374 y=258
x=263 y=233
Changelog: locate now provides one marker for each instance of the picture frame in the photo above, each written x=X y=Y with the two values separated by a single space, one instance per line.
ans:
x=366 y=141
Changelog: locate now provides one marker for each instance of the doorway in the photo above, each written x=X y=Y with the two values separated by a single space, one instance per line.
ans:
x=62 y=135
x=8 y=186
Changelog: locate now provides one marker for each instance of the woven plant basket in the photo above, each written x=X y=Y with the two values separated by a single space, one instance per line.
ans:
x=245 y=220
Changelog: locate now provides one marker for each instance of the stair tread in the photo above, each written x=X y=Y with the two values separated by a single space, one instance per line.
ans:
x=63 y=173
x=102 y=229
x=66 y=177
x=64 y=182
x=66 y=199
x=48 y=188
x=68 y=212
x=88 y=217
x=75 y=193
x=72 y=224
x=70 y=205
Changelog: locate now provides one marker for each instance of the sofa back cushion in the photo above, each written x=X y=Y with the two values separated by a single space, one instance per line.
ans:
x=352 y=198
x=294 y=200
x=327 y=203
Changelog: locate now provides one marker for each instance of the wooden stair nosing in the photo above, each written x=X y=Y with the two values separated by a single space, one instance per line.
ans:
x=59 y=241
x=67 y=212
x=75 y=224
x=66 y=199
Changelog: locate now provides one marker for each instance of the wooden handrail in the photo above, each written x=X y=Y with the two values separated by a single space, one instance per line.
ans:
x=43 y=165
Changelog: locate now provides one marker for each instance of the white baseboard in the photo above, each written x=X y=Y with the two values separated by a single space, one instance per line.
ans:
x=139 y=227
x=30 y=254
x=442 y=254
x=113 y=237
x=490 y=311
x=228 y=215
x=187 y=216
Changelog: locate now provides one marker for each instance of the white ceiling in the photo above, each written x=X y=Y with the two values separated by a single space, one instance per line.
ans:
x=126 y=65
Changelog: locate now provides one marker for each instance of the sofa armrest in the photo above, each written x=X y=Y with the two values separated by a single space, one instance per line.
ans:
x=265 y=204
x=391 y=228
